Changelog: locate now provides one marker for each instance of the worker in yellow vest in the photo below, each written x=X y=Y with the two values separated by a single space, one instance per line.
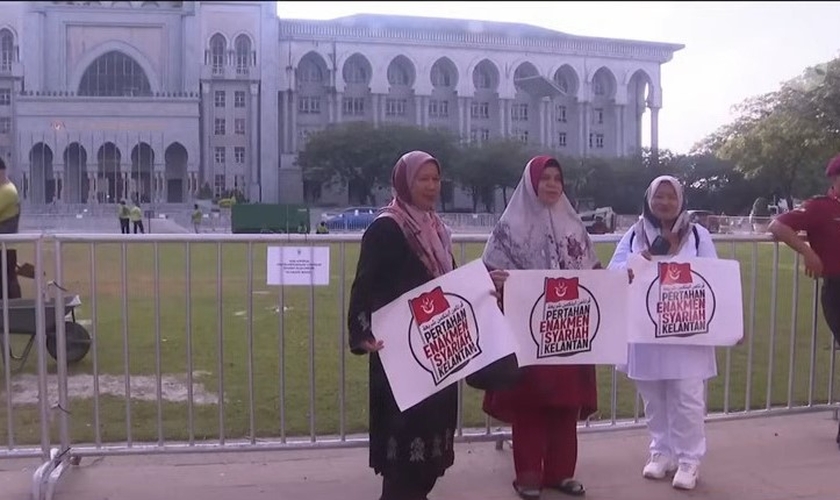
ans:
x=136 y=216
x=9 y=220
x=123 y=214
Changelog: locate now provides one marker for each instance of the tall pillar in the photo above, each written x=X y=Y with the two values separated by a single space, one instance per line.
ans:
x=339 y=106
x=461 y=118
x=619 y=130
x=293 y=109
x=59 y=186
x=468 y=117
x=583 y=126
x=654 y=129
x=252 y=188
x=418 y=110
x=374 y=108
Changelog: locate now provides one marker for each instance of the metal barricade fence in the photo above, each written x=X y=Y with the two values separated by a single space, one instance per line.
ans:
x=190 y=351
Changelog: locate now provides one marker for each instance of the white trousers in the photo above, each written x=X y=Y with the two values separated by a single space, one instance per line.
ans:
x=675 y=412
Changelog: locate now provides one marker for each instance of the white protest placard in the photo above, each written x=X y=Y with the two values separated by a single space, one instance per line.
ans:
x=568 y=317
x=298 y=266
x=441 y=332
x=690 y=301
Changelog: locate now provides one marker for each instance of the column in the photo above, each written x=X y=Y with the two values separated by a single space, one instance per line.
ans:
x=91 y=194
x=461 y=119
x=59 y=185
x=654 y=129
x=126 y=181
x=374 y=109
x=418 y=110
x=330 y=97
x=583 y=127
x=252 y=159
x=339 y=106
x=424 y=109
x=468 y=116
x=293 y=108
x=502 y=119
x=543 y=105
x=619 y=129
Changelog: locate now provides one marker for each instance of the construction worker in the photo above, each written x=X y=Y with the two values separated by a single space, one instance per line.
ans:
x=322 y=228
x=123 y=214
x=196 y=218
x=9 y=220
x=136 y=216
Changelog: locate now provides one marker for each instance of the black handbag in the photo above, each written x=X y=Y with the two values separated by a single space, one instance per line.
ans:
x=499 y=375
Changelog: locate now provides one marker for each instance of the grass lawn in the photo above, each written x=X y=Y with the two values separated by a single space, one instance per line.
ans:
x=330 y=353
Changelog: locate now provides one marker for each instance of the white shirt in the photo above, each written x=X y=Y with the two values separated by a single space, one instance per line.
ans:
x=668 y=362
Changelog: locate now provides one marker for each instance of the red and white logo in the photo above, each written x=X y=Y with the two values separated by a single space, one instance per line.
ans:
x=443 y=334
x=681 y=302
x=565 y=319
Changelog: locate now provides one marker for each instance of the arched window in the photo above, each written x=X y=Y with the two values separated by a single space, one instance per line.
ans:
x=243 y=54
x=7 y=49
x=114 y=74
x=218 y=45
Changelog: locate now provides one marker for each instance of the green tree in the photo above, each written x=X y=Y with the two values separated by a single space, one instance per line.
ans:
x=774 y=139
x=495 y=165
x=360 y=156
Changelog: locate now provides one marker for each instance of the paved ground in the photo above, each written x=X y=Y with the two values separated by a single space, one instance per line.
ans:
x=777 y=458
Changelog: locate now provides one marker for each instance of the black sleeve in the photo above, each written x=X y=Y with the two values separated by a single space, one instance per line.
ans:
x=382 y=244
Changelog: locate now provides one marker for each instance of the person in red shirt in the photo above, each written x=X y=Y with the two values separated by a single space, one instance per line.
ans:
x=819 y=218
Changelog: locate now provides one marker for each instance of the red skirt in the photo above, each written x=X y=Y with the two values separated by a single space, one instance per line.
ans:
x=559 y=386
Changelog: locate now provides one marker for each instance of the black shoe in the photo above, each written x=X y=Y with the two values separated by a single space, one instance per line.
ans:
x=526 y=493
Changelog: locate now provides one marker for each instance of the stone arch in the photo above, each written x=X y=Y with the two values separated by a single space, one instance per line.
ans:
x=444 y=74
x=525 y=69
x=115 y=46
x=41 y=173
x=109 y=185
x=567 y=79
x=114 y=74
x=357 y=70
x=217 y=46
x=401 y=72
x=604 y=84
x=142 y=170
x=7 y=47
x=312 y=69
x=486 y=75
x=243 y=50
x=76 y=184
x=640 y=86
x=175 y=171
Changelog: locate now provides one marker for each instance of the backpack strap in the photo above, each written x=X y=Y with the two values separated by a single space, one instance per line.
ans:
x=693 y=230
x=696 y=238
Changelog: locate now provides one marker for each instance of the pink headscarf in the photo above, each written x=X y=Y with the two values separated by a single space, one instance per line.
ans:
x=426 y=233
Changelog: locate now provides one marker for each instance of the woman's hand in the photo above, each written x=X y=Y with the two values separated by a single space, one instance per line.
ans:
x=646 y=254
x=499 y=277
x=630 y=275
x=370 y=346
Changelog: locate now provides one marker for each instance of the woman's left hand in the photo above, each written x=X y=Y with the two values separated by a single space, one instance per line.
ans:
x=499 y=277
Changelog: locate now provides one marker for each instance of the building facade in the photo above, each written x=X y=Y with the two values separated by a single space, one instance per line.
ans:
x=101 y=101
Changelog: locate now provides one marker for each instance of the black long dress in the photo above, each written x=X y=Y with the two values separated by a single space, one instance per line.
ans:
x=419 y=441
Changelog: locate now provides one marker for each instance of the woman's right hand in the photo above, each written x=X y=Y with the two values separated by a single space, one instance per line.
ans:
x=646 y=254
x=373 y=345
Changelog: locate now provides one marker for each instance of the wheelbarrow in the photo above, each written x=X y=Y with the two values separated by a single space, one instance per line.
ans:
x=22 y=314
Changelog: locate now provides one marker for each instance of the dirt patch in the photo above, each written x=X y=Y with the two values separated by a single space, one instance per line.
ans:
x=143 y=388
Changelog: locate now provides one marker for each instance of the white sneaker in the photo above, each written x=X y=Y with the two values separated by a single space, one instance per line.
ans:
x=658 y=466
x=686 y=477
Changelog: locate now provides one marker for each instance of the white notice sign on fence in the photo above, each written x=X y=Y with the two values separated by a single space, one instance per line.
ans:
x=298 y=266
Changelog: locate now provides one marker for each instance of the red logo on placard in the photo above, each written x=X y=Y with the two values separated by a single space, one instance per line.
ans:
x=428 y=305
x=561 y=289
x=673 y=273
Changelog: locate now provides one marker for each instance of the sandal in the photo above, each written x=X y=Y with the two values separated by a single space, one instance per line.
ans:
x=526 y=493
x=571 y=487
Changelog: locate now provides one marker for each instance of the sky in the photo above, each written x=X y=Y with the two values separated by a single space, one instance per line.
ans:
x=734 y=50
